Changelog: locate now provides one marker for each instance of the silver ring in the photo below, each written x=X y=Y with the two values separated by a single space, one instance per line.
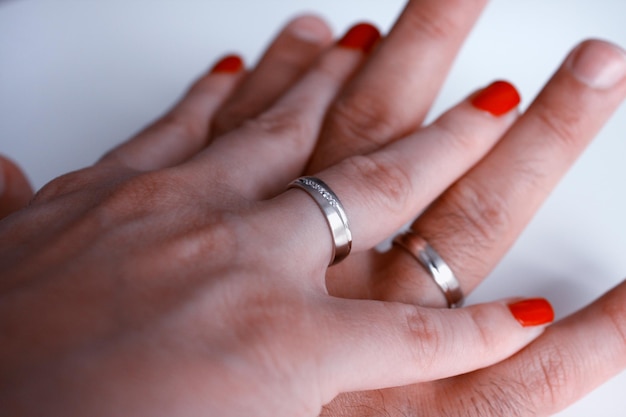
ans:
x=438 y=269
x=334 y=213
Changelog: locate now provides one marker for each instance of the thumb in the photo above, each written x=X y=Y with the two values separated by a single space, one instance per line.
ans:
x=378 y=345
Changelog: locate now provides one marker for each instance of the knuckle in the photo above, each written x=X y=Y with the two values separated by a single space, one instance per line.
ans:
x=146 y=193
x=561 y=122
x=549 y=376
x=265 y=321
x=443 y=19
x=328 y=71
x=387 y=182
x=451 y=131
x=281 y=123
x=429 y=19
x=480 y=214
x=542 y=385
x=498 y=397
x=368 y=404
x=503 y=395
x=616 y=314
x=364 y=119
x=294 y=57
x=176 y=125
x=65 y=184
x=217 y=242
x=425 y=335
x=232 y=116
x=486 y=337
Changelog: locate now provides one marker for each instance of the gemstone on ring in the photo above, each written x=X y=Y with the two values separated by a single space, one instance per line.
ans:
x=333 y=212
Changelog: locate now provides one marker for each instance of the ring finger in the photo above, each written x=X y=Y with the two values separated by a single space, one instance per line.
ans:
x=381 y=191
x=476 y=220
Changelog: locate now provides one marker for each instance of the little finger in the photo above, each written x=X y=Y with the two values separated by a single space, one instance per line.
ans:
x=185 y=129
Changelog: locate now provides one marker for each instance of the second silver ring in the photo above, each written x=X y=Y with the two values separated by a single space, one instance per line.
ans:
x=434 y=264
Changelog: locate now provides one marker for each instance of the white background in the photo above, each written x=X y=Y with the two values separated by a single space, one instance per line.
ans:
x=76 y=77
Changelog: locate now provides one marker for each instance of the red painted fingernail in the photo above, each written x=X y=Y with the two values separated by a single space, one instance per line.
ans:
x=532 y=312
x=230 y=64
x=363 y=36
x=498 y=99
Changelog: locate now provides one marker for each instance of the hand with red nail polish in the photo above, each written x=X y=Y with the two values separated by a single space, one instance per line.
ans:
x=183 y=275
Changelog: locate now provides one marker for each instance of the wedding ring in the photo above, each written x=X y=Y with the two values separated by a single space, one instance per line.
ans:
x=333 y=211
x=436 y=267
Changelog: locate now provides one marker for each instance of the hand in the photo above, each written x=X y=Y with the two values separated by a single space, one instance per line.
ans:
x=157 y=138
x=476 y=220
x=177 y=277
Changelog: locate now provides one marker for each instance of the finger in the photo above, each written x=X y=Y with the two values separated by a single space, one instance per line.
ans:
x=400 y=344
x=392 y=94
x=15 y=189
x=282 y=138
x=382 y=191
x=184 y=130
x=569 y=360
x=289 y=56
x=476 y=220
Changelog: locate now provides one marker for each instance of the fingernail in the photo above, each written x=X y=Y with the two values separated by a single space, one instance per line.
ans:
x=230 y=64
x=598 y=64
x=310 y=29
x=532 y=312
x=498 y=99
x=362 y=36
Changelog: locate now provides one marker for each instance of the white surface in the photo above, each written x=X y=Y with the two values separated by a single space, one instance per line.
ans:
x=76 y=77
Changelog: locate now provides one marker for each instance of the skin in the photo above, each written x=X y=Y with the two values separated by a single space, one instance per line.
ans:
x=202 y=308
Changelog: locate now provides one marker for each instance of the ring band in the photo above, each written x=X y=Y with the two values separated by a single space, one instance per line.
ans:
x=333 y=211
x=438 y=269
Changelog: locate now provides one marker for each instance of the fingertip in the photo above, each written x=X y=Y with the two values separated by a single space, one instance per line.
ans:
x=362 y=36
x=532 y=312
x=498 y=99
x=229 y=64
x=310 y=28
x=597 y=63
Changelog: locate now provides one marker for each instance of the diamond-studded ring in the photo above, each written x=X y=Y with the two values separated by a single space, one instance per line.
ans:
x=333 y=211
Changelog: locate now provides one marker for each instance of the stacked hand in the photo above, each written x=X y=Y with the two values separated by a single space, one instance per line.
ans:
x=179 y=276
